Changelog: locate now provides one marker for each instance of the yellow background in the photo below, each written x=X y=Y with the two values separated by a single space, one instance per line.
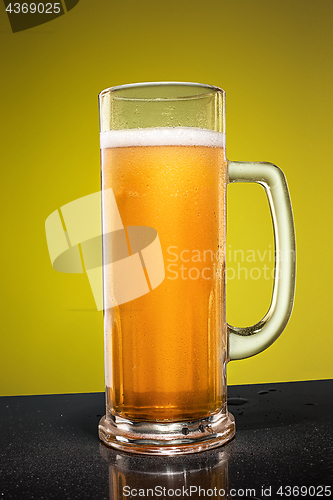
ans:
x=274 y=60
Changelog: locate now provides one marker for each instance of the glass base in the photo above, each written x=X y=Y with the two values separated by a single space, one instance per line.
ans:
x=167 y=438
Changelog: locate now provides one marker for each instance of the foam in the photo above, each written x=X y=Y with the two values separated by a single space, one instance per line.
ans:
x=168 y=136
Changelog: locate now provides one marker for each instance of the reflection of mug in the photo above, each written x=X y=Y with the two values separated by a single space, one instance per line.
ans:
x=163 y=156
x=196 y=476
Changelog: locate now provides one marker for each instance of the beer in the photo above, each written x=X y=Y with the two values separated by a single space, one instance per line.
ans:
x=165 y=351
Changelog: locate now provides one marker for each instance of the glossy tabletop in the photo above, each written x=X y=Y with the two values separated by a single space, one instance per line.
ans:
x=49 y=449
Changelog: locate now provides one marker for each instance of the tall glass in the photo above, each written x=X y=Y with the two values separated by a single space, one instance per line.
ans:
x=167 y=343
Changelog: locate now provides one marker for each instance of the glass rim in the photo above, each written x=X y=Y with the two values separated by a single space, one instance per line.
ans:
x=113 y=90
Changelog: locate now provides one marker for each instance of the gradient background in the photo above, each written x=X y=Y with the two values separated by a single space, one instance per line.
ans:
x=274 y=60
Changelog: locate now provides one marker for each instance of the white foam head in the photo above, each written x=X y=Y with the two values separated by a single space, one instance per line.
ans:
x=168 y=136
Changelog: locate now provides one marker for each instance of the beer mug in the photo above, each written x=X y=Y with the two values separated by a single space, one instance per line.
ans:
x=167 y=342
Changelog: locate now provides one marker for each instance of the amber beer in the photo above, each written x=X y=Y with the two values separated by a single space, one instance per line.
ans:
x=165 y=349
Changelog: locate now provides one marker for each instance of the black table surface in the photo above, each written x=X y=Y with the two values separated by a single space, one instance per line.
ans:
x=49 y=448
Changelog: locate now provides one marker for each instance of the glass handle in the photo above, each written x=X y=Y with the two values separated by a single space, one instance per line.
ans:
x=245 y=342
